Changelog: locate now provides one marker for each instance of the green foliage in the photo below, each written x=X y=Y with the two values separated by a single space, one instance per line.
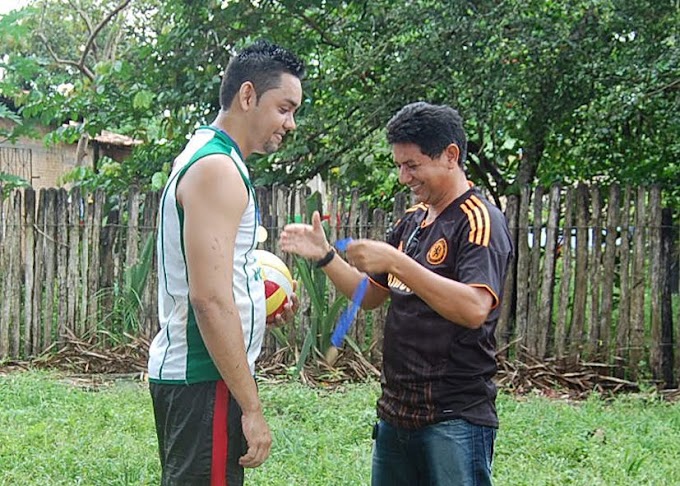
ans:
x=550 y=91
x=10 y=182
x=323 y=312
x=125 y=316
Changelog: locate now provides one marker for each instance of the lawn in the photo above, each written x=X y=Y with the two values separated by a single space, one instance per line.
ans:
x=57 y=432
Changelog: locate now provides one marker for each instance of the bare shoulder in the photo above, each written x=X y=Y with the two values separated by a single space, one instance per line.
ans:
x=213 y=181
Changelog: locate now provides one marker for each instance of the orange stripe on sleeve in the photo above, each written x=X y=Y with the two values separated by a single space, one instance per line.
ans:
x=479 y=233
x=471 y=220
x=487 y=220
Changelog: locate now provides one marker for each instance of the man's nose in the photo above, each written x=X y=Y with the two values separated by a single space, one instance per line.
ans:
x=404 y=174
x=290 y=123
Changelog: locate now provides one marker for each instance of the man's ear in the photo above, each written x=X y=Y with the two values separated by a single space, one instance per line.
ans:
x=247 y=97
x=452 y=155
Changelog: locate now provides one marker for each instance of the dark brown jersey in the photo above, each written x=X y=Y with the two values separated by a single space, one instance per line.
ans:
x=435 y=369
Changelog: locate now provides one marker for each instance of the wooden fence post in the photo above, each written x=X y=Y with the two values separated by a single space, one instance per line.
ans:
x=504 y=328
x=533 y=324
x=657 y=277
x=36 y=330
x=595 y=272
x=92 y=280
x=49 y=268
x=609 y=271
x=523 y=268
x=73 y=270
x=623 y=327
x=667 y=336
x=638 y=277
x=581 y=275
x=62 y=261
x=29 y=267
x=563 y=327
x=545 y=310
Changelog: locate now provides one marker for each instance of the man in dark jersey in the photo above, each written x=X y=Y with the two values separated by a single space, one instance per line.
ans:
x=443 y=268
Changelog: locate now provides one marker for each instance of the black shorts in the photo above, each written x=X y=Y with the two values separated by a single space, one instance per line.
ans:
x=200 y=438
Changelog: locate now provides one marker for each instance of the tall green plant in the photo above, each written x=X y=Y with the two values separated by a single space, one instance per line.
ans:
x=324 y=313
x=124 y=317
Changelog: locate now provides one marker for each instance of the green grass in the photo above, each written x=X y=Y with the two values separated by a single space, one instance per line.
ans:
x=55 y=433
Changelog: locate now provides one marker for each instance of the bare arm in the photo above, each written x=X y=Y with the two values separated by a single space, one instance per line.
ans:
x=458 y=302
x=213 y=197
x=309 y=241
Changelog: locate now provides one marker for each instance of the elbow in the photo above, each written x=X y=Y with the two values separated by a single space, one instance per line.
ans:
x=204 y=304
x=477 y=318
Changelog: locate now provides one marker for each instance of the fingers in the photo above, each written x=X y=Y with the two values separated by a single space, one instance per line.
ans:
x=255 y=456
x=316 y=221
x=287 y=315
x=259 y=439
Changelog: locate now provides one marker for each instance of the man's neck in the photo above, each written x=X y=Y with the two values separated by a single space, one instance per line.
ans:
x=459 y=187
x=226 y=122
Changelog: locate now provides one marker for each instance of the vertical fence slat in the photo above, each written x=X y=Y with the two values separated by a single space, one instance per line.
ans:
x=595 y=272
x=657 y=280
x=37 y=326
x=638 y=280
x=86 y=214
x=562 y=328
x=92 y=280
x=667 y=335
x=545 y=310
x=523 y=264
x=49 y=266
x=399 y=206
x=623 y=327
x=73 y=272
x=504 y=327
x=29 y=267
x=533 y=325
x=132 y=239
x=62 y=262
x=4 y=254
x=150 y=297
x=581 y=274
x=608 y=270
x=12 y=298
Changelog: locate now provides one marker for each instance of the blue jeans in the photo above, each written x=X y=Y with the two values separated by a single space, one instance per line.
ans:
x=450 y=453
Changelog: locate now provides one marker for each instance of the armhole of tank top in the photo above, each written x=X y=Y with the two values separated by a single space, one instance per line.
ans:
x=249 y=188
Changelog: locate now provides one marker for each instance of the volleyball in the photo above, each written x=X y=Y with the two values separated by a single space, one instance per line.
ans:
x=278 y=282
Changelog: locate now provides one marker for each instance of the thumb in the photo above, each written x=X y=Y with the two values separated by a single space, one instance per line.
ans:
x=316 y=221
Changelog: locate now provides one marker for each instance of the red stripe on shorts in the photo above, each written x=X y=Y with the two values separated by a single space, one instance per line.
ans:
x=220 y=441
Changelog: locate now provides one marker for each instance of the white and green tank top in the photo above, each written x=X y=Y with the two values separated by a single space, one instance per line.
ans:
x=177 y=353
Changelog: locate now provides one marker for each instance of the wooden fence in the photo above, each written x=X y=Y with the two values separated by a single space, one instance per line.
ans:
x=592 y=280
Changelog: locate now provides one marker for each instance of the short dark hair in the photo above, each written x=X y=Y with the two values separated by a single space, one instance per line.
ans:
x=430 y=127
x=261 y=63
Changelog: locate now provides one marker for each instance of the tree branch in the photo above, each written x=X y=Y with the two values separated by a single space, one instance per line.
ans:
x=664 y=88
x=86 y=19
x=100 y=26
x=315 y=27
x=83 y=69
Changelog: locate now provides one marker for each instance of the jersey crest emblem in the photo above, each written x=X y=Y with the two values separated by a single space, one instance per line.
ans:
x=437 y=252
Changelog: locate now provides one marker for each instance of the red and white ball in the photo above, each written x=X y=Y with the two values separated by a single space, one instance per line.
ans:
x=278 y=281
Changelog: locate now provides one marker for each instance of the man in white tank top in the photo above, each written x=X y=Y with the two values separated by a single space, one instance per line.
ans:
x=211 y=305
